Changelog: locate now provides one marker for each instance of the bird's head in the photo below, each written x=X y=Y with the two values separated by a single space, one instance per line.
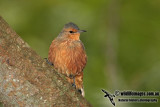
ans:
x=71 y=31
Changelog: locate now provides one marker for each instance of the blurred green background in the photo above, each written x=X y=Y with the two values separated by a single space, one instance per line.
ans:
x=122 y=40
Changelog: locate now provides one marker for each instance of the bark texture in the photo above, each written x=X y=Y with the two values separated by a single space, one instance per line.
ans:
x=27 y=80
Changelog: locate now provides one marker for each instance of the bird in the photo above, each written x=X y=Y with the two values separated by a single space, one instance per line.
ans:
x=68 y=56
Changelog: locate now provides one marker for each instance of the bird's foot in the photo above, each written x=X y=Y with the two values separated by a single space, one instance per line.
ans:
x=48 y=62
x=73 y=85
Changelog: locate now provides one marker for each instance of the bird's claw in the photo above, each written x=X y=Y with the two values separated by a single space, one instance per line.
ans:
x=73 y=85
x=48 y=62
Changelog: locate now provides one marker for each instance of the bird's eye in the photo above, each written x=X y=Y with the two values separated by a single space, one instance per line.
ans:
x=71 y=32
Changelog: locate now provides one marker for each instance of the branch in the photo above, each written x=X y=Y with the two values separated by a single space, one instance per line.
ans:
x=26 y=79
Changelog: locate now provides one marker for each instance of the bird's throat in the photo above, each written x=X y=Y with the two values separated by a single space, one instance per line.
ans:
x=74 y=37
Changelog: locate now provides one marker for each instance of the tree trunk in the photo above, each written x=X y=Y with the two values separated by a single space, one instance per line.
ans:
x=27 y=80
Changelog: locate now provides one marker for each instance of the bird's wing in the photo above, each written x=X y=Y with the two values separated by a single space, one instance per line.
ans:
x=52 y=51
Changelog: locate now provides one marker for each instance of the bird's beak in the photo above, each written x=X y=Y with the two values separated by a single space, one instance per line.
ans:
x=80 y=31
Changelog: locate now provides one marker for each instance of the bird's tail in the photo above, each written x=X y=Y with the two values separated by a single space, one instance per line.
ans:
x=82 y=92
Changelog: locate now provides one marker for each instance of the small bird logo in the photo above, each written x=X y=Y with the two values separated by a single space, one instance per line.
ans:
x=68 y=56
x=109 y=96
